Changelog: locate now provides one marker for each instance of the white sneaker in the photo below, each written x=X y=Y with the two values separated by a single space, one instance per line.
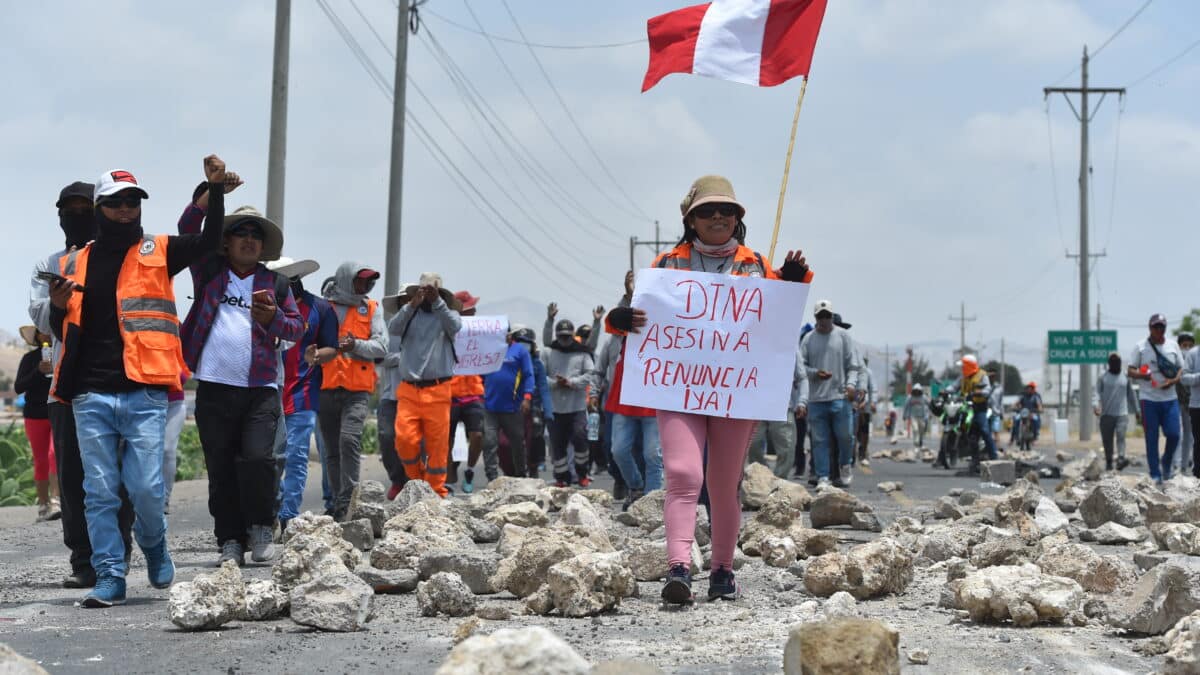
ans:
x=822 y=482
x=864 y=461
x=846 y=475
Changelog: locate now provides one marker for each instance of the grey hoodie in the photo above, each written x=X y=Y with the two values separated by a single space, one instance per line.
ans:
x=576 y=364
x=833 y=352
x=342 y=298
x=427 y=341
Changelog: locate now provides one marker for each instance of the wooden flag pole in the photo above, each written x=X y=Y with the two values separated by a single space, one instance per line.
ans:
x=787 y=167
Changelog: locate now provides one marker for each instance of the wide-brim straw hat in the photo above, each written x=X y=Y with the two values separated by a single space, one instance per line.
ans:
x=293 y=269
x=709 y=190
x=430 y=279
x=272 y=246
x=29 y=335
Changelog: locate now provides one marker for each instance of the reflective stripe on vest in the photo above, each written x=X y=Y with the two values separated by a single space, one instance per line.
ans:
x=349 y=373
x=145 y=299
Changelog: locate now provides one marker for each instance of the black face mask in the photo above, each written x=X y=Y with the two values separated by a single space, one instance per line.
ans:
x=297 y=288
x=113 y=235
x=426 y=306
x=1114 y=366
x=79 y=228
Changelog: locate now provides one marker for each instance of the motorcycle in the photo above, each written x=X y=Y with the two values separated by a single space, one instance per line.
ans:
x=1025 y=438
x=955 y=418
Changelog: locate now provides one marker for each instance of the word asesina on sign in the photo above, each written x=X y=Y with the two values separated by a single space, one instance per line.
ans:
x=481 y=344
x=713 y=344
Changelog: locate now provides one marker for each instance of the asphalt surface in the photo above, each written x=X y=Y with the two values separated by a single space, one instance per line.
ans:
x=39 y=619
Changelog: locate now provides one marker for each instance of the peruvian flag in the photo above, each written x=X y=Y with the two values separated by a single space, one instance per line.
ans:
x=759 y=42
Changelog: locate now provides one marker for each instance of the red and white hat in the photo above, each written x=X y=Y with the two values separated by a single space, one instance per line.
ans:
x=112 y=182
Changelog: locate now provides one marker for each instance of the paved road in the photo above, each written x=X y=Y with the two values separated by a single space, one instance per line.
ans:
x=39 y=619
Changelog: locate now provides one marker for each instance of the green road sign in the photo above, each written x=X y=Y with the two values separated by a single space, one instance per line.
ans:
x=1080 y=346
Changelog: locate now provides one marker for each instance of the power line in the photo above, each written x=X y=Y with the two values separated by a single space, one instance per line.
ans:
x=1122 y=28
x=575 y=123
x=1054 y=177
x=1112 y=204
x=448 y=164
x=527 y=43
x=538 y=173
x=1108 y=41
x=546 y=125
x=1155 y=70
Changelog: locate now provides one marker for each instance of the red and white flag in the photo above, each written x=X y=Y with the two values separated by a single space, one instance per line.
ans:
x=759 y=42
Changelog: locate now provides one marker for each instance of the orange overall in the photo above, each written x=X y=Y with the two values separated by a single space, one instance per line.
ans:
x=423 y=414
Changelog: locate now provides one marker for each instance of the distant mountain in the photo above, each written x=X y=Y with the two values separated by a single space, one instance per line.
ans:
x=941 y=353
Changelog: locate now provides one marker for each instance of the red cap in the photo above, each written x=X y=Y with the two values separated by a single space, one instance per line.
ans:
x=367 y=273
x=468 y=301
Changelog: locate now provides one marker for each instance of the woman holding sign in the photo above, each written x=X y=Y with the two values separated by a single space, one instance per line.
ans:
x=713 y=241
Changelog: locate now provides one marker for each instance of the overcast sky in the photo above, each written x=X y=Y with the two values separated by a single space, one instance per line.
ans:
x=922 y=174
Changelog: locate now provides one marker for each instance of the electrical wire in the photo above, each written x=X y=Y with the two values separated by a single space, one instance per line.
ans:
x=1155 y=70
x=543 y=178
x=1112 y=203
x=570 y=116
x=527 y=43
x=452 y=169
x=1107 y=42
x=545 y=124
x=1054 y=178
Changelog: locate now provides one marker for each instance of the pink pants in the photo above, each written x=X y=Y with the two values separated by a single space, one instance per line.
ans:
x=684 y=437
x=38 y=433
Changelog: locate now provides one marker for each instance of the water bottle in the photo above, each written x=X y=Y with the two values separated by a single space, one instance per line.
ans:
x=48 y=356
x=593 y=426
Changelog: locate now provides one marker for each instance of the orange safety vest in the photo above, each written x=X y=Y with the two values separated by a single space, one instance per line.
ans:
x=349 y=373
x=745 y=262
x=146 y=313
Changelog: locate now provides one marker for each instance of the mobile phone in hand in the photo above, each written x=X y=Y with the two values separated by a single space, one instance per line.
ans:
x=52 y=278
x=262 y=297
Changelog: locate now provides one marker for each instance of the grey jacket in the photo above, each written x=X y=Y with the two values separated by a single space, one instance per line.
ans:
x=39 y=301
x=916 y=408
x=606 y=365
x=389 y=370
x=427 y=341
x=593 y=337
x=576 y=365
x=1114 y=394
x=834 y=353
x=343 y=299
x=1191 y=376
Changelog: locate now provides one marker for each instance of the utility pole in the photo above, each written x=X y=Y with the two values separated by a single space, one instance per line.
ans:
x=1003 y=368
x=1098 y=316
x=657 y=245
x=277 y=149
x=1085 y=258
x=962 y=320
x=391 y=265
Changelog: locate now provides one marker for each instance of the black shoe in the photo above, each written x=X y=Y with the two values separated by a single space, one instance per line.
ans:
x=1122 y=463
x=620 y=491
x=81 y=579
x=812 y=480
x=721 y=585
x=678 y=589
x=632 y=497
x=839 y=483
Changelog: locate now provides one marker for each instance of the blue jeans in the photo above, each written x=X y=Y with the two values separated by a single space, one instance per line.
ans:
x=1154 y=415
x=625 y=430
x=985 y=430
x=102 y=421
x=829 y=421
x=326 y=492
x=300 y=425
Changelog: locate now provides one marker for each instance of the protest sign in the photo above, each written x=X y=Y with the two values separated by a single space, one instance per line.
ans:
x=714 y=344
x=481 y=344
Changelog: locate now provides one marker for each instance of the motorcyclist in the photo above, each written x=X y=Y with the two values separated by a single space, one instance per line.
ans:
x=1031 y=400
x=975 y=387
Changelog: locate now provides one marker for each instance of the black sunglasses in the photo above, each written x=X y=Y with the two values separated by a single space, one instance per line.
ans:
x=116 y=202
x=247 y=231
x=710 y=210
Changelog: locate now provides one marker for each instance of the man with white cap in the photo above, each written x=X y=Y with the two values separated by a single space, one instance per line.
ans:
x=426 y=322
x=302 y=381
x=832 y=364
x=242 y=311
x=120 y=355
x=1158 y=363
x=348 y=381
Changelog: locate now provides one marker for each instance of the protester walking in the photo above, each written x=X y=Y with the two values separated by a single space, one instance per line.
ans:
x=1191 y=378
x=541 y=412
x=1183 y=459
x=33 y=380
x=121 y=353
x=1158 y=363
x=569 y=365
x=508 y=398
x=349 y=379
x=467 y=408
x=863 y=408
x=916 y=410
x=1112 y=403
x=241 y=313
x=713 y=241
x=426 y=322
x=832 y=365
x=302 y=377
x=77 y=220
